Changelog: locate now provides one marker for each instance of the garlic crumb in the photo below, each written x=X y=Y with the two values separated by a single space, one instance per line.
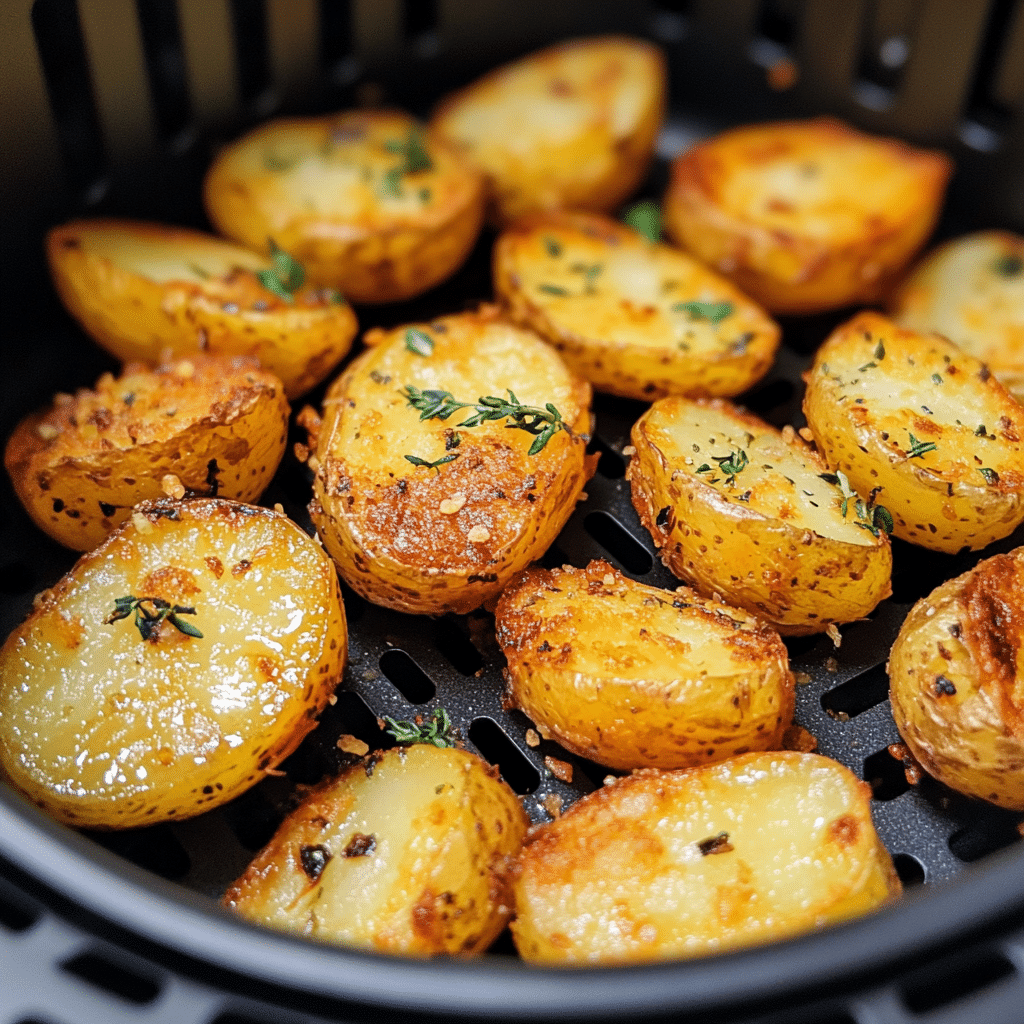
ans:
x=185 y=369
x=278 y=507
x=608 y=580
x=47 y=431
x=451 y=505
x=532 y=739
x=141 y=523
x=805 y=433
x=352 y=745
x=833 y=633
x=552 y=803
x=172 y=486
x=479 y=534
x=629 y=451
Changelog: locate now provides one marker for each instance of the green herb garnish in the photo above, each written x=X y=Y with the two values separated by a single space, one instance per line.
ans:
x=918 y=449
x=552 y=289
x=436 y=730
x=147 y=620
x=419 y=342
x=590 y=272
x=645 y=217
x=990 y=475
x=417 y=461
x=880 y=351
x=1008 y=265
x=543 y=423
x=869 y=515
x=285 y=277
x=731 y=464
x=414 y=158
x=713 y=312
x=936 y=378
x=553 y=247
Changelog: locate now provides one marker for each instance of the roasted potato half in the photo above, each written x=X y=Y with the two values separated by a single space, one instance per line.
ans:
x=751 y=515
x=972 y=290
x=923 y=425
x=635 y=677
x=363 y=199
x=665 y=865
x=141 y=289
x=409 y=852
x=424 y=497
x=172 y=667
x=805 y=215
x=635 y=318
x=955 y=677
x=207 y=425
x=569 y=127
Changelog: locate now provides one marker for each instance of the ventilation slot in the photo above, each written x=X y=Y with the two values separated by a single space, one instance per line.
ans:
x=884 y=53
x=336 y=49
x=165 y=62
x=112 y=977
x=619 y=543
x=774 y=33
x=910 y=869
x=456 y=647
x=16 y=578
x=58 y=35
x=490 y=739
x=611 y=465
x=998 y=86
x=411 y=681
x=252 y=818
x=156 y=849
x=885 y=775
x=252 y=54
x=16 y=912
x=953 y=979
x=771 y=401
x=991 y=831
x=360 y=721
x=419 y=18
x=555 y=558
x=857 y=695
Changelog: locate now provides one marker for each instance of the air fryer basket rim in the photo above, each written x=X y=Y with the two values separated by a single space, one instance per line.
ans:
x=187 y=925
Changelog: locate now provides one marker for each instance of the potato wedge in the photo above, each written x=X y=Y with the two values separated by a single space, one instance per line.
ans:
x=925 y=426
x=206 y=425
x=116 y=712
x=972 y=290
x=363 y=199
x=752 y=515
x=805 y=215
x=423 y=512
x=409 y=852
x=635 y=677
x=956 y=678
x=140 y=289
x=665 y=865
x=636 y=319
x=572 y=126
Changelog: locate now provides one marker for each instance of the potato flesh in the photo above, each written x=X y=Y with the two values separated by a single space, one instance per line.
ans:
x=956 y=676
x=621 y=876
x=862 y=416
x=435 y=879
x=634 y=677
x=105 y=729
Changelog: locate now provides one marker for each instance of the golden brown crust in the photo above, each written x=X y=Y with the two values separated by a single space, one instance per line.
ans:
x=205 y=425
x=330 y=191
x=805 y=215
x=634 y=318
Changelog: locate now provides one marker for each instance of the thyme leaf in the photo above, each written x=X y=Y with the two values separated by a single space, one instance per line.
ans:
x=645 y=217
x=1008 y=265
x=414 y=156
x=285 y=276
x=147 y=620
x=553 y=247
x=417 y=461
x=990 y=475
x=436 y=730
x=918 y=449
x=419 y=342
x=731 y=464
x=713 y=312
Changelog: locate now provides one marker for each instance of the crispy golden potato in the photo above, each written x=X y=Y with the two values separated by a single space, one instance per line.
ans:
x=207 y=425
x=409 y=852
x=572 y=126
x=805 y=215
x=172 y=667
x=426 y=506
x=634 y=318
x=955 y=677
x=141 y=289
x=635 y=677
x=751 y=515
x=664 y=865
x=972 y=290
x=925 y=426
x=363 y=199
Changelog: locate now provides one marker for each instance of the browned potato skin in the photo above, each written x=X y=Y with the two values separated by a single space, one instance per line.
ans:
x=939 y=500
x=971 y=289
x=733 y=202
x=106 y=730
x=955 y=676
x=374 y=248
x=797 y=579
x=622 y=344
x=603 y=665
x=620 y=877
x=590 y=162
x=387 y=525
x=436 y=880
x=138 y=318
x=213 y=425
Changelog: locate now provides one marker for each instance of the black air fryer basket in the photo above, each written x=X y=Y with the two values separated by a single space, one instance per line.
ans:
x=115 y=107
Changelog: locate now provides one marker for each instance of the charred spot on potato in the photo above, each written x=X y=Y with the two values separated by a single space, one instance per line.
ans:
x=715 y=844
x=314 y=859
x=361 y=845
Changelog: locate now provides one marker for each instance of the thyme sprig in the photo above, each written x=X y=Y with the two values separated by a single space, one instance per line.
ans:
x=918 y=449
x=645 y=217
x=543 y=423
x=870 y=516
x=417 y=461
x=285 y=276
x=436 y=730
x=147 y=620
x=415 y=158
x=731 y=464
x=713 y=312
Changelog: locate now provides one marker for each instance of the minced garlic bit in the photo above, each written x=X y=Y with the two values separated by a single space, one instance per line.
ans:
x=560 y=769
x=141 y=523
x=532 y=739
x=172 y=486
x=352 y=745
x=805 y=433
x=333 y=699
x=801 y=678
x=552 y=803
x=479 y=534
x=275 y=771
x=278 y=507
x=788 y=434
x=629 y=451
x=451 y=505
x=833 y=633
x=47 y=431
x=608 y=580
x=831 y=665
x=185 y=369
